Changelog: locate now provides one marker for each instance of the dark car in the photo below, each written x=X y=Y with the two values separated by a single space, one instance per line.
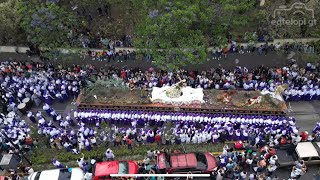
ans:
x=186 y=163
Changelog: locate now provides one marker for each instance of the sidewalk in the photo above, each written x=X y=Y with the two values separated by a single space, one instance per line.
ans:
x=13 y=49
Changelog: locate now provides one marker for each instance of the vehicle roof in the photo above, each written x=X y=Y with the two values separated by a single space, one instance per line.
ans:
x=54 y=174
x=306 y=149
x=112 y=167
x=183 y=160
x=106 y=168
x=76 y=174
x=49 y=174
x=211 y=161
x=283 y=156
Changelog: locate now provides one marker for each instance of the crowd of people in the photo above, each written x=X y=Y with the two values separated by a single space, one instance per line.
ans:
x=253 y=163
x=303 y=82
x=79 y=130
x=15 y=135
x=218 y=52
x=256 y=132
x=250 y=164
x=112 y=55
x=197 y=127
x=39 y=83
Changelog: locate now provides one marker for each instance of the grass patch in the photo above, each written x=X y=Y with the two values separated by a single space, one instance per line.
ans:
x=42 y=156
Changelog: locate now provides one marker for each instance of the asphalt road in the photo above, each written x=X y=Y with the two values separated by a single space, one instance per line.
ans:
x=250 y=60
x=306 y=113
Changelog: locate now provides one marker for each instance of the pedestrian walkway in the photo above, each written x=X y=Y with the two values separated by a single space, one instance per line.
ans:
x=21 y=49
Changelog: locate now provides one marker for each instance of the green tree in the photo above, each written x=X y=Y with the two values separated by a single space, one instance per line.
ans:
x=122 y=16
x=10 y=32
x=231 y=16
x=47 y=23
x=174 y=32
x=234 y=12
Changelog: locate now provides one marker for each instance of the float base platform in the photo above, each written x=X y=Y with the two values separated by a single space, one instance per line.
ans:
x=238 y=104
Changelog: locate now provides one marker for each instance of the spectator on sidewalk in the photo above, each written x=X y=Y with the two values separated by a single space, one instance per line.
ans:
x=219 y=53
x=260 y=50
x=266 y=48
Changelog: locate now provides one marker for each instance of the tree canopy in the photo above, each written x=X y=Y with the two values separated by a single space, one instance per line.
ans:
x=47 y=24
x=10 y=31
x=174 y=32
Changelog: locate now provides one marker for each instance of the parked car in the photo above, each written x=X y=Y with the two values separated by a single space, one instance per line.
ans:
x=309 y=152
x=186 y=163
x=57 y=174
x=103 y=170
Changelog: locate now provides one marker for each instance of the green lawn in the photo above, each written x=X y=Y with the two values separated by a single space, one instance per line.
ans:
x=42 y=156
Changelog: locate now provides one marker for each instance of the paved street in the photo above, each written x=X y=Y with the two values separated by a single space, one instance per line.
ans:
x=251 y=60
x=312 y=174
x=306 y=113
x=112 y=89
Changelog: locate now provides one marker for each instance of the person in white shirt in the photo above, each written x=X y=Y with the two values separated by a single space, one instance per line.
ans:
x=217 y=86
x=219 y=53
x=109 y=155
x=183 y=137
x=188 y=138
x=243 y=175
x=220 y=174
x=194 y=139
x=273 y=159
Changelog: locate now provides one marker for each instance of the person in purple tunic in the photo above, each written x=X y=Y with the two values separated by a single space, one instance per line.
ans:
x=70 y=121
x=237 y=135
x=316 y=128
x=150 y=136
x=57 y=164
x=140 y=122
x=31 y=117
x=88 y=145
x=47 y=108
x=47 y=98
x=215 y=137
x=111 y=120
x=244 y=135
x=230 y=133
x=53 y=115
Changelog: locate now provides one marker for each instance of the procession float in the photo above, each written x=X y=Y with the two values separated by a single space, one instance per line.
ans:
x=113 y=94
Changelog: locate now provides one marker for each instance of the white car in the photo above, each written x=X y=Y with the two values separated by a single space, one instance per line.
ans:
x=58 y=174
x=309 y=152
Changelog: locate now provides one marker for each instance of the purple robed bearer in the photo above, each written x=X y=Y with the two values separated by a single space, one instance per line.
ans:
x=57 y=164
